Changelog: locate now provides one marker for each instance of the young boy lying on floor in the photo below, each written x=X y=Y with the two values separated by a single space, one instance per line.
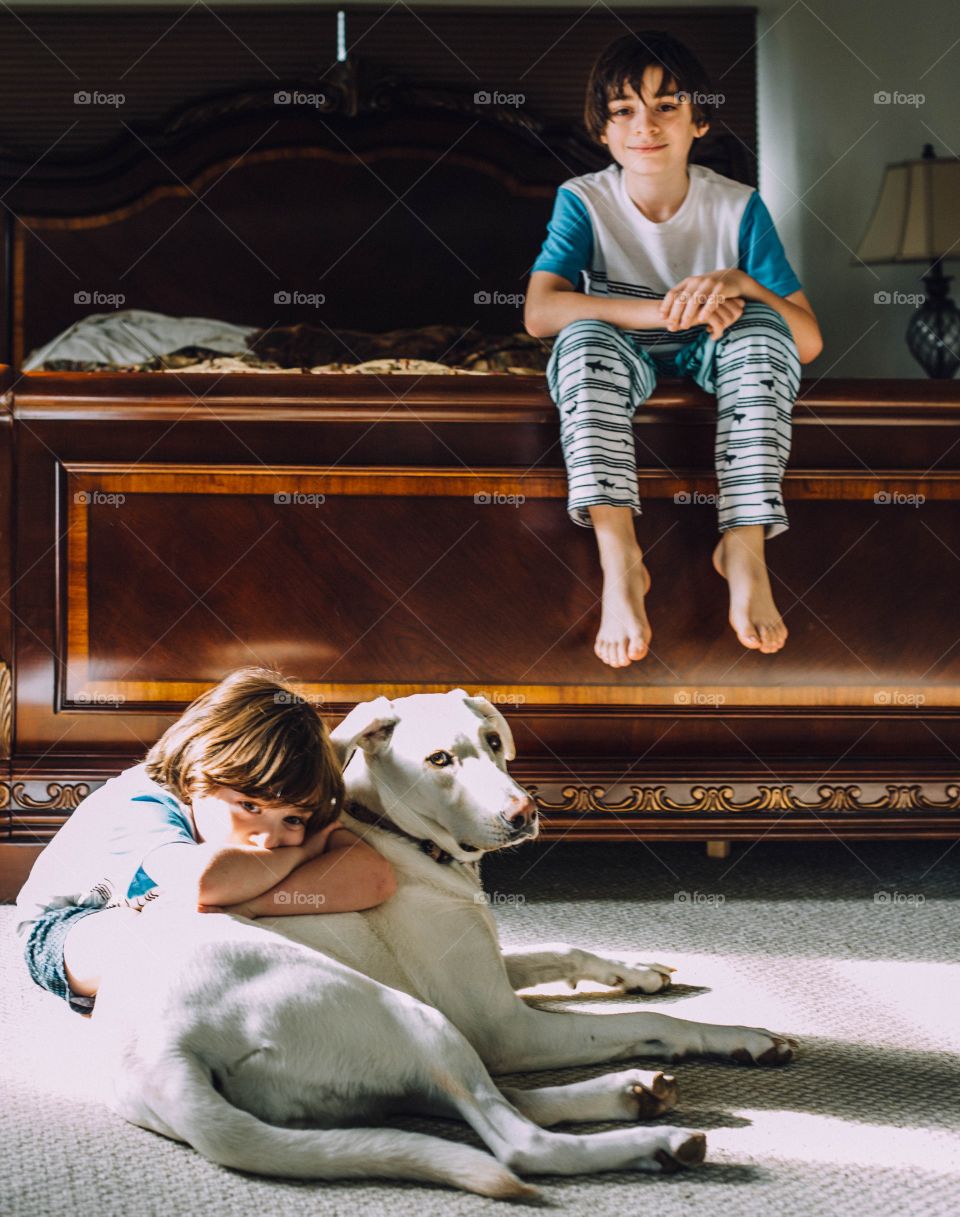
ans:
x=234 y=809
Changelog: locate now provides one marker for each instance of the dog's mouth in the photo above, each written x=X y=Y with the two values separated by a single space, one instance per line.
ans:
x=514 y=837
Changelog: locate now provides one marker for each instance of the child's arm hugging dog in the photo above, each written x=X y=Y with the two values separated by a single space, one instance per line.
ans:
x=234 y=809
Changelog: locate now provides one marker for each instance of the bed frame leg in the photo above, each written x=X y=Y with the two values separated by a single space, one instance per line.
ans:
x=718 y=849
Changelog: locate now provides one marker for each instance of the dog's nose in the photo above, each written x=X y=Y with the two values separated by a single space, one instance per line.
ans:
x=520 y=812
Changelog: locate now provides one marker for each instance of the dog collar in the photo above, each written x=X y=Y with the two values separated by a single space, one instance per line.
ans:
x=378 y=820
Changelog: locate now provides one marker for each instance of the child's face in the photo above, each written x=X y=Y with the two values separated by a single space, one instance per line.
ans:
x=650 y=135
x=228 y=817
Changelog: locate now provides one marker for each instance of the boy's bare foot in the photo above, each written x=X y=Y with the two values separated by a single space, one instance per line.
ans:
x=625 y=632
x=738 y=557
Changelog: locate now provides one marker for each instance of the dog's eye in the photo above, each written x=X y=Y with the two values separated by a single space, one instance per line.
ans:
x=440 y=759
x=495 y=742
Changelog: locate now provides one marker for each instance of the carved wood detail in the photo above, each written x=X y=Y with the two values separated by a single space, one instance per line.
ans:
x=6 y=710
x=831 y=799
x=62 y=796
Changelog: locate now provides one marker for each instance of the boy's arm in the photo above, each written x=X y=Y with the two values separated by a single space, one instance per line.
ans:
x=348 y=877
x=553 y=302
x=208 y=874
x=696 y=297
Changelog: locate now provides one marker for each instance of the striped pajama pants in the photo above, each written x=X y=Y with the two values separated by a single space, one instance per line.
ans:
x=599 y=375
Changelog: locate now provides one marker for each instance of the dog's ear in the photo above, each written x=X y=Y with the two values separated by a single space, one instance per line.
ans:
x=369 y=726
x=490 y=712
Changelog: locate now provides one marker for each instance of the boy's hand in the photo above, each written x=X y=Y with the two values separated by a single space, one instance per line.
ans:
x=315 y=845
x=695 y=299
x=724 y=316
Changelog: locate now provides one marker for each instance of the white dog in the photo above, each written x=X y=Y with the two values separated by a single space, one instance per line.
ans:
x=261 y=1047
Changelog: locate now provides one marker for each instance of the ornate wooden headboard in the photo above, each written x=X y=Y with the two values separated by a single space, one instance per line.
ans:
x=382 y=202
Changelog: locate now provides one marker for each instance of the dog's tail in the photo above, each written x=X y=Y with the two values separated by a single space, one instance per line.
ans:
x=186 y=1103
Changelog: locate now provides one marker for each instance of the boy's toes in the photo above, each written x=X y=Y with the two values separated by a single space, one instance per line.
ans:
x=773 y=638
x=612 y=653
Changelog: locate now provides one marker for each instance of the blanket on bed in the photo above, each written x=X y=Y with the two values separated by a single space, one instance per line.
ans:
x=199 y=345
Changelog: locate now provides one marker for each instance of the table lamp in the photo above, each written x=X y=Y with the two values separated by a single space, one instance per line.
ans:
x=917 y=219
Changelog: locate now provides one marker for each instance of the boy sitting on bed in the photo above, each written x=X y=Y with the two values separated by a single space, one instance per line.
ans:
x=684 y=275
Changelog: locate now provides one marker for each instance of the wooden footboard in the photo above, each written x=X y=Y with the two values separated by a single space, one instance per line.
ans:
x=393 y=535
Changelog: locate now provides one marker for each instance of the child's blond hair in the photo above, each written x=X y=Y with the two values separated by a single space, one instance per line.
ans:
x=252 y=732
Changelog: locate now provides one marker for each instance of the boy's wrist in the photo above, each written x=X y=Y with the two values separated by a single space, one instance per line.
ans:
x=644 y=315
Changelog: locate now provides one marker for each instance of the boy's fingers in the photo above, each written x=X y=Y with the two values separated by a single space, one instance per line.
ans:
x=680 y=305
x=674 y=302
x=690 y=310
x=688 y=316
x=710 y=309
x=701 y=297
x=725 y=315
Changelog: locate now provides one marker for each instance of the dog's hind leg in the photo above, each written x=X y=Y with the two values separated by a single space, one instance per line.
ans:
x=410 y=1053
x=523 y=1146
x=633 y=1094
x=446 y=1075
x=179 y=1095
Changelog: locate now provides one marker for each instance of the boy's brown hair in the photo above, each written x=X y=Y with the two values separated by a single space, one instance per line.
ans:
x=252 y=732
x=624 y=62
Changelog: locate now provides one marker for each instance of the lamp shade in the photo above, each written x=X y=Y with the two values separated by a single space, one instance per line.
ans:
x=917 y=216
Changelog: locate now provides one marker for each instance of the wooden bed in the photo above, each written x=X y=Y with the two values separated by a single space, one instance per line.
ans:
x=396 y=534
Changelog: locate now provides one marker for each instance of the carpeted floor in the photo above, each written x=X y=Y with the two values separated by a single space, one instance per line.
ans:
x=851 y=948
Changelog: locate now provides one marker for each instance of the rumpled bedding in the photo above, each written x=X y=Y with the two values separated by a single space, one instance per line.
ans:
x=136 y=340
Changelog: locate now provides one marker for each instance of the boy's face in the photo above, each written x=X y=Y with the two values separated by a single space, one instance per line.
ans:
x=228 y=817
x=650 y=135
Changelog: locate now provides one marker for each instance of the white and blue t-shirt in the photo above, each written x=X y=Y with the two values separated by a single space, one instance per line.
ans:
x=108 y=839
x=598 y=234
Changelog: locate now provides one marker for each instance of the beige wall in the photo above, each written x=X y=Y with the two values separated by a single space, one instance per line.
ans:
x=824 y=143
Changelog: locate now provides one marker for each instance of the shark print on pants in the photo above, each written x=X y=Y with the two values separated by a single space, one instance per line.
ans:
x=599 y=377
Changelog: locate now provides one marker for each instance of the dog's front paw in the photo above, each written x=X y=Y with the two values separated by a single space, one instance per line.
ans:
x=630 y=975
x=647 y=978
x=765 y=1048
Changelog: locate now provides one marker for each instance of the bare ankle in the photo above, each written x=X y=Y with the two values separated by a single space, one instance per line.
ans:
x=621 y=563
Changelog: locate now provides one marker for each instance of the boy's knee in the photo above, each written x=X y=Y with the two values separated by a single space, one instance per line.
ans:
x=756 y=312
x=584 y=325
x=586 y=328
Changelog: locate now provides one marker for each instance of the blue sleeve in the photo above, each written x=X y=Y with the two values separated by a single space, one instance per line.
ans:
x=568 y=249
x=159 y=822
x=761 y=253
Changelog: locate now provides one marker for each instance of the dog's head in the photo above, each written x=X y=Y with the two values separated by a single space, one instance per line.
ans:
x=436 y=764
